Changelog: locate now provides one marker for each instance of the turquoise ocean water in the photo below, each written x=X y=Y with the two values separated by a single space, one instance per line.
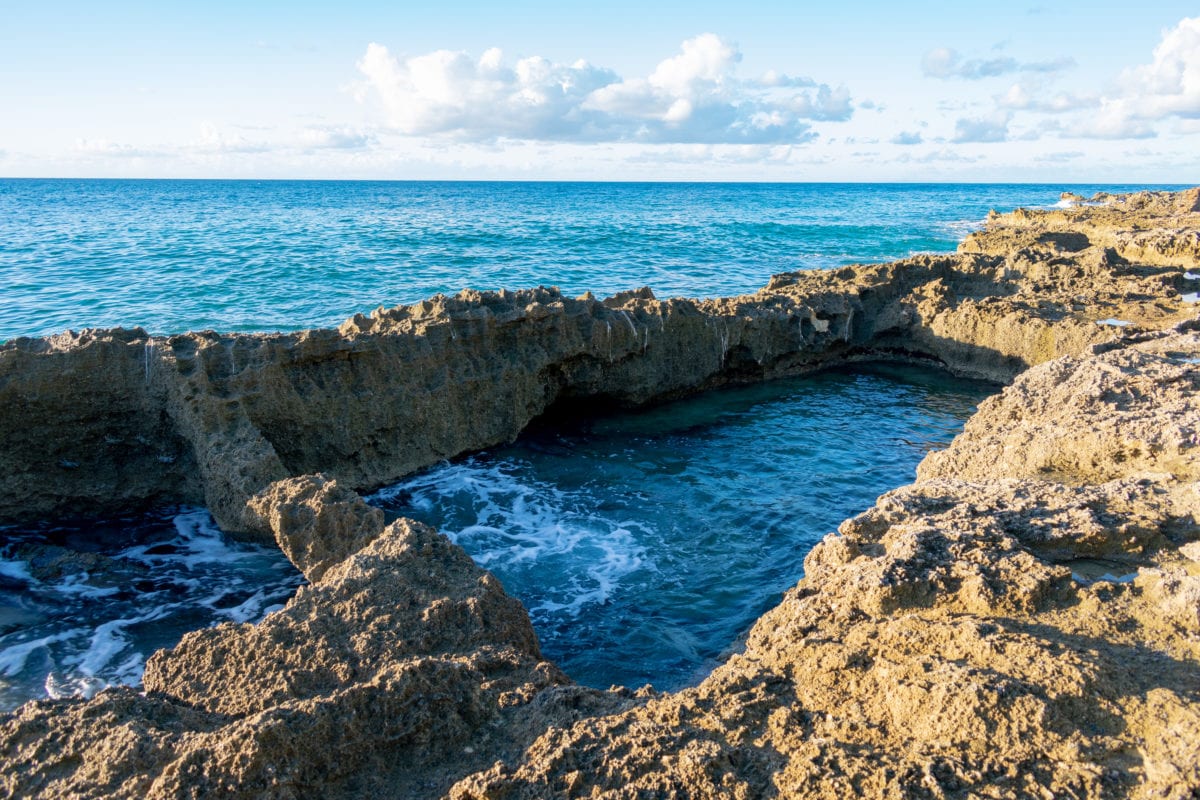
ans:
x=643 y=543
x=172 y=256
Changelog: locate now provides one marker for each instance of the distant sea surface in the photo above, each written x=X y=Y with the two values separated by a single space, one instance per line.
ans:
x=173 y=256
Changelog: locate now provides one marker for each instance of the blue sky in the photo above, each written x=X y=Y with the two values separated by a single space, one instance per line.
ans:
x=1062 y=91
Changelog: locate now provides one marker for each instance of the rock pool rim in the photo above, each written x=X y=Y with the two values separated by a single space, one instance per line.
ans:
x=571 y=419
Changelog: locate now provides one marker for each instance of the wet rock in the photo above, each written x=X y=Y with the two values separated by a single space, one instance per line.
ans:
x=397 y=671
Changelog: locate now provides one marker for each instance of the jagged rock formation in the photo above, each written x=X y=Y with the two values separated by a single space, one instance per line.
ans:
x=211 y=418
x=950 y=642
x=396 y=670
x=1022 y=621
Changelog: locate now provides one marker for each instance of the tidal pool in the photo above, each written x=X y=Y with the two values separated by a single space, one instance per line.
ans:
x=644 y=544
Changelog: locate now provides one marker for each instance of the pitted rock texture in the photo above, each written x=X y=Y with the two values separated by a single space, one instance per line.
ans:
x=1089 y=420
x=998 y=637
x=107 y=420
x=1153 y=228
x=317 y=524
x=1023 y=621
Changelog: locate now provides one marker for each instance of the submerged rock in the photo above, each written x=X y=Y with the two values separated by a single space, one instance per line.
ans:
x=1022 y=621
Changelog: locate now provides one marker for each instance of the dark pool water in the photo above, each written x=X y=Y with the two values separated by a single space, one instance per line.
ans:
x=83 y=604
x=645 y=544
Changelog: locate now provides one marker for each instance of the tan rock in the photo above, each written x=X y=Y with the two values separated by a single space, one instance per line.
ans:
x=317 y=524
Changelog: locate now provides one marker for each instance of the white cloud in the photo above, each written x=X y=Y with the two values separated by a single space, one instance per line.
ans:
x=705 y=154
x=1060 y=157
x=944 y=155
x=1169 y=87
x=108 y=149
x=691 y=97
x=992 y=128
x=774 y=79
x=1026 y=97
x=907 y=138
x=334 y=138
x=946 y=63
x=213 y=141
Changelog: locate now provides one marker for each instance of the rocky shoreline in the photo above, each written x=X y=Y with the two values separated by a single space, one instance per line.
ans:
x=1022 y=621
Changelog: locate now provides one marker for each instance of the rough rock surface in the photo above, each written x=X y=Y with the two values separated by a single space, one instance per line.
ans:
x=317 y=524
x=984 y=634
x=1023 y=621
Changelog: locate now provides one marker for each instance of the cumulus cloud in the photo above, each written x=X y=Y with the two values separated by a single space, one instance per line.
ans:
x=1027 y=97
x=694 y=96
x=774 y=79
x=334 y=139
x=991 y=128
x=946 y=63
x=1168 y=87
x=907 y=138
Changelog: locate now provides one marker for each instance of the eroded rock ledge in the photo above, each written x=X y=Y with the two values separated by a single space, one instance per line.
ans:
x=958 y=639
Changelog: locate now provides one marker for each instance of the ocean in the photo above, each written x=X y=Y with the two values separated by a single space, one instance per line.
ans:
x=172 y=256
x=643 y=543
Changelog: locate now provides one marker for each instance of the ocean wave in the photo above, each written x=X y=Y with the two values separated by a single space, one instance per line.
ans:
x=83 y=620
x=567 y=554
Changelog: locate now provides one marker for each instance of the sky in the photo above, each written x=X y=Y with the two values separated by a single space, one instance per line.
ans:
x=1060 y=91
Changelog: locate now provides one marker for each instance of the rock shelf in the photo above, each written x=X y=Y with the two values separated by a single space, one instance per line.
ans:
x=963 y=638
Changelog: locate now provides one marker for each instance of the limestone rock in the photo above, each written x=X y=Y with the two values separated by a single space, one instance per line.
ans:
x=399 y=670
x=1122 y=412
x=105 y=420
x=316 y=523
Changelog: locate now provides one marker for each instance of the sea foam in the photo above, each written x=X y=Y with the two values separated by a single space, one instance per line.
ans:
x=84 y=617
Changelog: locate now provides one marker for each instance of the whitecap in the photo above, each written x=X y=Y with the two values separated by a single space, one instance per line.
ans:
x=17 y=570
x=14 y=656
x=76 y=585
x=960 y=228
x=551 y=539
x=182 y=574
